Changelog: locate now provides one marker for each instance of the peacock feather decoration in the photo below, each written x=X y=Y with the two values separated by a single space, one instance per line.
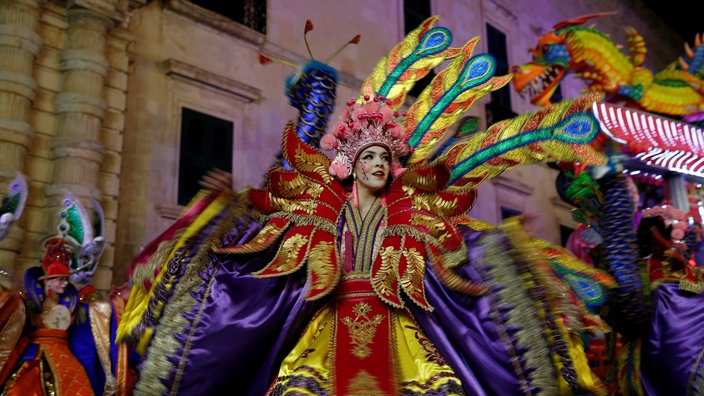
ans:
x=81 y=233
x=12 y=204
x=559 y=132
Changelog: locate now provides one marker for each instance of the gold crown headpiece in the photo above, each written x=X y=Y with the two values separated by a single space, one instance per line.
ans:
x=361 y=125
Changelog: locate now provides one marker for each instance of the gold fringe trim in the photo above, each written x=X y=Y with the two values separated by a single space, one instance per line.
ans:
x=456 y=258
x=406 y=230
x=144 y=273
x=693 y=287
x=316 y=221
x=525 y=314
x=356 y=275
x=475 y=224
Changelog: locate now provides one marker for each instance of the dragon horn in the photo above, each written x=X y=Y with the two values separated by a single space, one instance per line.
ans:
x=580 y=20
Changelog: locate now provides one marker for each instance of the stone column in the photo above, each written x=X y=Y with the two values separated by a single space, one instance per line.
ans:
x=19 y=45
x=77 y=149
x=678 y=191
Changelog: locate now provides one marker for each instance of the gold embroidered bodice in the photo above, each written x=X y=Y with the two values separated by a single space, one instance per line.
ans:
x=392 y=245
x=365 y=234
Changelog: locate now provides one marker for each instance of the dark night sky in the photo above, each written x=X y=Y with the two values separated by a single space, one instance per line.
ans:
x=683 y=16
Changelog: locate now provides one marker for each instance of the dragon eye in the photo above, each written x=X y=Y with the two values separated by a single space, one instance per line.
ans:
x=546 y=48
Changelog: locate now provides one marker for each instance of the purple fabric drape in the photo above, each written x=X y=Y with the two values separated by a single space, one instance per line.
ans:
x=672 y=348
x=246 y=326
x=462 y=329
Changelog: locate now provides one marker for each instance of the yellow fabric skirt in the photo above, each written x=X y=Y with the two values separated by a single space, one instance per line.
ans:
x=357 y=345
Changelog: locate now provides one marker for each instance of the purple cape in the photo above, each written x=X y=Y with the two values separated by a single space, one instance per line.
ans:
x=239 y=328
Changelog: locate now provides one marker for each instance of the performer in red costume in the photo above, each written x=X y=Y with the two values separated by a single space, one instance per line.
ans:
x=87 y=320
x=402 y=292
x=42 y=363
x=92 y=337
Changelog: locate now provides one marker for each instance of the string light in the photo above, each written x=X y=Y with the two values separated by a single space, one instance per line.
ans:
x=655 y=140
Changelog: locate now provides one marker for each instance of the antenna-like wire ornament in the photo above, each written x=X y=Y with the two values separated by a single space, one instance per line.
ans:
x=308 y=28
x=263 y=59
x=355 y=40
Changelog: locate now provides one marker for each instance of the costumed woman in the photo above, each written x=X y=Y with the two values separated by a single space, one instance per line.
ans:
x=673 y=344
x=655 y=311
x=364 y=275
x=92 y=337
x=42 y=363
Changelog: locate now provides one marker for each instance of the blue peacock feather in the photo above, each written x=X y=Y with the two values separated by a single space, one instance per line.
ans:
x=434 y=41
x=475 y=72
x=579 y=128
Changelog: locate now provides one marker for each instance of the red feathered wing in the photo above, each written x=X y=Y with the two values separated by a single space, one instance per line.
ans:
x=304 y=203
x=421 y=224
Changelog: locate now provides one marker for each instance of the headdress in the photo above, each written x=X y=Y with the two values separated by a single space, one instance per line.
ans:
x=10 y=211
x=12 y=204
x=671 y=216
x=361 y=125
x=74 y=243
x=55 y=264
x=57 y=269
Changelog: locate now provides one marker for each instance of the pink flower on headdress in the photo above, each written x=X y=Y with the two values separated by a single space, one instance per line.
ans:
x=370 y=107
x=356 y=121
x=669 y=211
x=339 y=170
x=677 y=234
x=345 y=115
x=328 y=142
x=362 y=125
x=386 y=112
x=680 y=225
x=356 y=110
x=338 y=129
x=653 y=212
x=398 y=131
x=671 y=217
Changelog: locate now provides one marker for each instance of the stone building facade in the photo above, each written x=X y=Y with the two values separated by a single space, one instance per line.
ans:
x=92 y=94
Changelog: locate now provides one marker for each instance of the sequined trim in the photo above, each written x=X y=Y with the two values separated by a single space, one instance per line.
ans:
x=364 y=232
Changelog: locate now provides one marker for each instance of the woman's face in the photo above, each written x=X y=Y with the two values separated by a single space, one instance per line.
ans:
x=372 y=168
x=57 y=285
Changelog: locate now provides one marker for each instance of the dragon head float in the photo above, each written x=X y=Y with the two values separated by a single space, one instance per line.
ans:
x=573 y=48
